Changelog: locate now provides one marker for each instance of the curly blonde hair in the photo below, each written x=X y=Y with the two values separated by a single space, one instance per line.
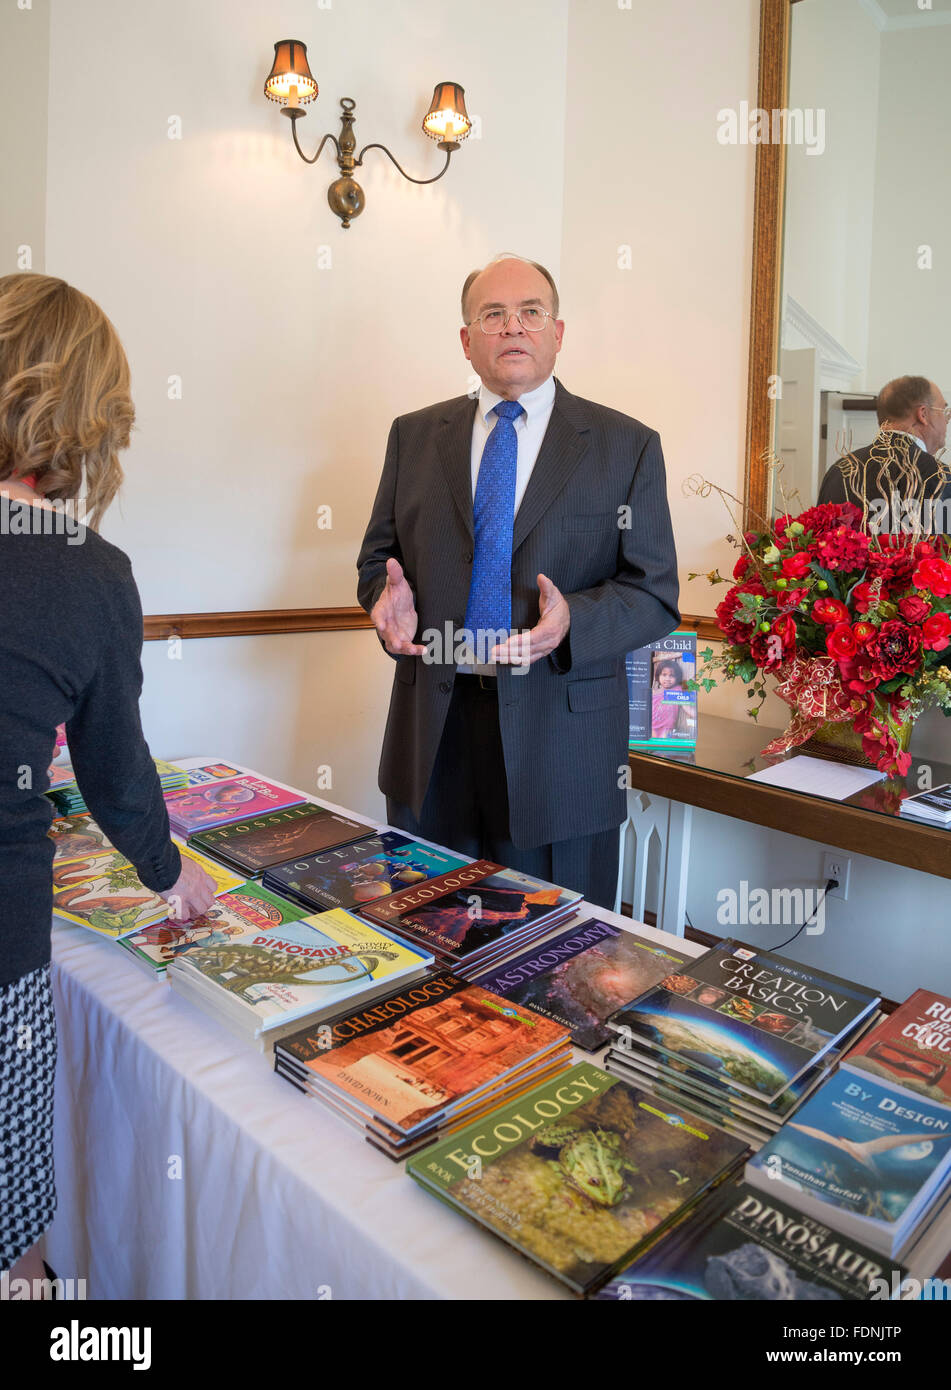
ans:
x=65 y=408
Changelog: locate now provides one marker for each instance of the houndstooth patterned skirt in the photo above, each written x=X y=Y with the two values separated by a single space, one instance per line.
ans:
x=27 y=1066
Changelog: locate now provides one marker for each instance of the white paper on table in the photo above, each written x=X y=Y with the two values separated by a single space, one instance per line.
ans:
x=820 y=776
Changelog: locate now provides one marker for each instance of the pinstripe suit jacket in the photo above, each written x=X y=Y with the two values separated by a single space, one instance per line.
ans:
x=563 y=723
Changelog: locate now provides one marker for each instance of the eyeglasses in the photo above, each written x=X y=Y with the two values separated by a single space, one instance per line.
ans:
x=532 y=318
x=945 y=410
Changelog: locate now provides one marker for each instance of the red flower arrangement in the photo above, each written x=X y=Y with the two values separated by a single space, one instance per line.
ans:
x=855 y=627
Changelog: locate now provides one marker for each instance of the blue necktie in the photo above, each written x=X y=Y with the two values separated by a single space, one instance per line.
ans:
x=490 y=592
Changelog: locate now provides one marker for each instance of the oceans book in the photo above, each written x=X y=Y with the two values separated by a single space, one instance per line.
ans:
x=863 y=1157
x=743 y=1246
x=273 y=838
x=583 y=975
x=354 y=874
x=415 y=1057
x=580 y=1173
x=263 y=977
x=222 y=802
x=910 y=1048
x=747 y=1017
x=476 y=915
x=242 y=908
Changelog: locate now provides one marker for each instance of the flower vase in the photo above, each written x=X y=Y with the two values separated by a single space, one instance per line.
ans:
x=841 y=742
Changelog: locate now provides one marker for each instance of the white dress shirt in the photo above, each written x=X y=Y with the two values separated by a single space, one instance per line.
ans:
x=529 y=432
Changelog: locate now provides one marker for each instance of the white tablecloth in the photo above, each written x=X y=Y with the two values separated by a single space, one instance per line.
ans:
x=187 y=1169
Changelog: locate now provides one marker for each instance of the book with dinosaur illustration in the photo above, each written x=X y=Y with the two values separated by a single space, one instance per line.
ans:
x=740 y=1245
x=476 y=915
x=863 y=1157
x=105 y=893
x=222 y=802
x=360 y=872
x=580 y=1174
x=263 y=841
x=584 y=975
x=746 y=1016
x=78 y=838
x=262 y=977
x=241 y=909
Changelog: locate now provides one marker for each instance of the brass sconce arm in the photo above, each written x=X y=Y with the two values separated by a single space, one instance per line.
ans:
x=313 y=158
x=447 y=147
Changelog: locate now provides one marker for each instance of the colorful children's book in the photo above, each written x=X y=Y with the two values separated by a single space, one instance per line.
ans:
x=78 y=838
x=580 y=1173
x=584 y=975
x=358 y=873
x=224 y=802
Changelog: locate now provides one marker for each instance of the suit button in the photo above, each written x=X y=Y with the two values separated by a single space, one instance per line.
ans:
x=469 y=557
x=445 y=687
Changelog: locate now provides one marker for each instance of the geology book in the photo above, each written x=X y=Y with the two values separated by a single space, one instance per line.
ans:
x=471 y=915
x=247 y=906
x=862 y=1156
x=106 y=894
x=268 y=975
x=352 y=875
x=583 y=975
x=223 y=802
x=263 y=841
x=579 y=1173
x=743 y=1246
x=419 y=1053
x=910 y=1048
x=747 y=1017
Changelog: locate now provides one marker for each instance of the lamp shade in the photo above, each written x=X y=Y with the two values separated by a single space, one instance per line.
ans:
x=290 y=70
x=446 y=118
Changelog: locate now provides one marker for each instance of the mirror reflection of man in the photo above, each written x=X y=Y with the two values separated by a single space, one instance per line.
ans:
x=541 y=518
x=897 y=479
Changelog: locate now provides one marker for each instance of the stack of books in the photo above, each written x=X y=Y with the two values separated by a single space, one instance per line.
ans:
x=261 y=977
x=222 y=801
x=933 y=806
x=740 y=1246
x=584 y=975
x=95 y=886
x=68 y=799
x=870 y=1152
x=423 y=1060
x=253 y=845
x=581 y=1174
x=743 y=1036
x=474 y=916
x=358 y=873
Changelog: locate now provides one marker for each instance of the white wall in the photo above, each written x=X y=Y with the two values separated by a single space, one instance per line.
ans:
x=24 y=77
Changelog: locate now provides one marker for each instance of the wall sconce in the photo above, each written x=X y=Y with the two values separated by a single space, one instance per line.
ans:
x=291 y=83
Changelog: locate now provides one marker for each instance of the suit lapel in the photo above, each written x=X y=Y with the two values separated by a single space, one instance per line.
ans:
x=454 y=446
x=563 y=448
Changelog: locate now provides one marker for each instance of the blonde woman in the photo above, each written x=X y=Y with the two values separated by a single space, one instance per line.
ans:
x=70 y=646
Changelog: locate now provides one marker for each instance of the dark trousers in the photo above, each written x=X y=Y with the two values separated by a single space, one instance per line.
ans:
x=467 y=807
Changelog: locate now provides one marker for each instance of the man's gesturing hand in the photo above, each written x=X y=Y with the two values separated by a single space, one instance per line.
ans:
x=394 y=613
x=547 y=634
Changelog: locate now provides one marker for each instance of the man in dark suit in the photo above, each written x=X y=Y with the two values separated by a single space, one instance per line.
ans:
x=520 y=544
x=896 y=480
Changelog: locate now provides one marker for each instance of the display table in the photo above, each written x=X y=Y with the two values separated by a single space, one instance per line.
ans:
x=187 y=1169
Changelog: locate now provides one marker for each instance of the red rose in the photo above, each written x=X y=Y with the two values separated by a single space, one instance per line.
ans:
x=785 y=630
x=936 y=632
x=840 y=642
x=741 y=566
x=863 y=596
x=830 y=611
x=863 y=632
x=790 y=598
x=895 y=649
x=796 y=566
x=934 y=575
x=913 y=609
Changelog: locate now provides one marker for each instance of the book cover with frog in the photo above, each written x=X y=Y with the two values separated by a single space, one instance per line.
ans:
x=580 y=1173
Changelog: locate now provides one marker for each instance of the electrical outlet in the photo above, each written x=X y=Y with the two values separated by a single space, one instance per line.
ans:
x=839 y=867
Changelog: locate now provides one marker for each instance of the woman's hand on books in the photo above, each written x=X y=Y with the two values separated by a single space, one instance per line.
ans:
x=192 y=893
x=394 y=613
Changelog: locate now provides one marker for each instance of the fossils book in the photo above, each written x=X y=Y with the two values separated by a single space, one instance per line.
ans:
x=741 y=1245
x=262 y=841
x=749 y=1017
x=580 y=1173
